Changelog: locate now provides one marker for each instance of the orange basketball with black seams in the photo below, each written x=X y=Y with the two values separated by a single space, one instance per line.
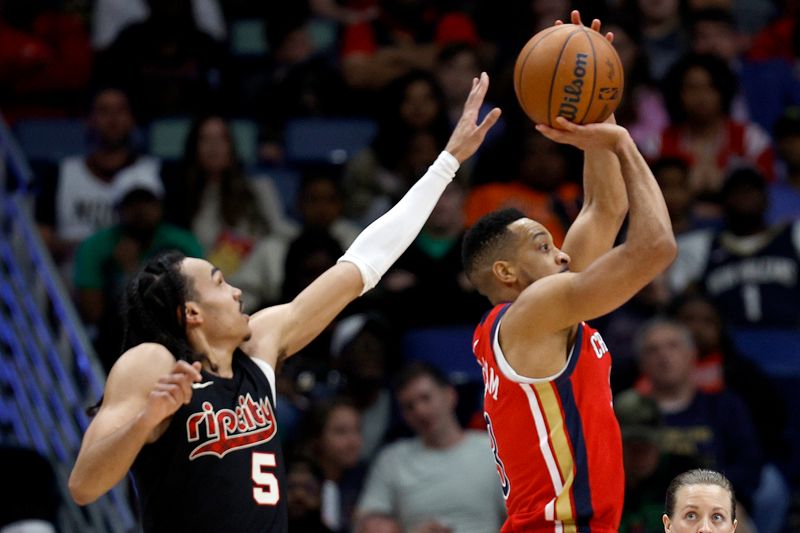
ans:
x=570 y=71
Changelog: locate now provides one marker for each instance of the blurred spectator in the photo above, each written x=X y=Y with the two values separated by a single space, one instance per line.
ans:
x=749 y=268
x=642 y=110
x=378 y=523
x=333 y=439
x=167 y=63
x=32 y=501
x=107 y=259
x=443 y=478
x=784 y=193
x=45 y=59
x=299 y=80
x=363 y=347
x=720 y=366
x=672 y=174
x=699 y=90
x=210 y=193
x=532 y=174
x=765 y=86
x=412 y=130
x=79 y=201
x=110 y=17
x=648 y=470
x=404 y=36
x=714 y=429
x=664 y=38
x=320 y=205
x=427 y=286
x=780 y=38
x=304 y=496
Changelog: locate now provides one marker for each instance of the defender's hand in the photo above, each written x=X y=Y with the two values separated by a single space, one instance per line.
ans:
x=172 y=391
x=468 y=135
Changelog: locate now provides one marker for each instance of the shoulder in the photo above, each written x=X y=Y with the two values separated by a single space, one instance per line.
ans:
x=97 y=241
x=397 y=453
x=138 y=369
x=182 y=238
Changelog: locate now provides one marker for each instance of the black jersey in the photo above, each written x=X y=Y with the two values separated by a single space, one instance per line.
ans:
x=219 y=465
x=758 y=287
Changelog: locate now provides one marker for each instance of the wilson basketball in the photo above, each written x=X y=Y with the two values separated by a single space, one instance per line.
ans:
x=569 y=71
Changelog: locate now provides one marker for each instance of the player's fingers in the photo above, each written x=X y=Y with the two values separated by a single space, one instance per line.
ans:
x=183 y=367
x=551 y=133
x=171 y=393
x=575 y=16
x=610 y=36
x=596 y=25
x=490 y=120
x=567 y=125
x=559 y=22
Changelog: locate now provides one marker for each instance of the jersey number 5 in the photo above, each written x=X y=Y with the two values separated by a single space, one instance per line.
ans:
x=266 y=490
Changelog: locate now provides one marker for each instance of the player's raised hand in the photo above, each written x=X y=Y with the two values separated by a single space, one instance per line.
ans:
x=468 y=135
x=605 y=135
x=575 y=17
x=172 y=391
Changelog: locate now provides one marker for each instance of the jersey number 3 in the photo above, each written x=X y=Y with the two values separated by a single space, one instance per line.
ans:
x=266 y=490
x=501 y=469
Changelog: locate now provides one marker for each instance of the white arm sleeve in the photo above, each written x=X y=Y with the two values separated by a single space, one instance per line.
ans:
x=383 y=241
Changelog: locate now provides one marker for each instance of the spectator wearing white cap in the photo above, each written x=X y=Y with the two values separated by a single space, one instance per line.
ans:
x=105 y=260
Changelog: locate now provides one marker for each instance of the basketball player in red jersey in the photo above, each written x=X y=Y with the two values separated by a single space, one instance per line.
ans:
x=547 y=399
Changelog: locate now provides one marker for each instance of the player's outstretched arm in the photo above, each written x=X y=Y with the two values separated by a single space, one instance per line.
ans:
x=557 y=302
x=604 y=201
x=144 y=389
x=282 y=330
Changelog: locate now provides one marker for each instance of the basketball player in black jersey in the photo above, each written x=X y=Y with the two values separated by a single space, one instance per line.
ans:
x=189 y=406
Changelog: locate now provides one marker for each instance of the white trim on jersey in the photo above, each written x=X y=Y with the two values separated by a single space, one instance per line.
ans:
x=269 y=373
x=547 y=453
x=512 y=374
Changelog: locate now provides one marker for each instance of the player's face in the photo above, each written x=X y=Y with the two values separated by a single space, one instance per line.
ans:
x=701 y=508
x=536 y=255
x=341 y=437
x=425 y=405
x=218 y=304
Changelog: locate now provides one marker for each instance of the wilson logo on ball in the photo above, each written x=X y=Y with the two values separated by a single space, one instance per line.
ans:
x=568 y=108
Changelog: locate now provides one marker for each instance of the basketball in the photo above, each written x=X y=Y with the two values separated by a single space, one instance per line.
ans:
x=570 y=71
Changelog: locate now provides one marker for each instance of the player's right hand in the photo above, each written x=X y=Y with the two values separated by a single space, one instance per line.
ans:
x=604 y=136
x=172 y=391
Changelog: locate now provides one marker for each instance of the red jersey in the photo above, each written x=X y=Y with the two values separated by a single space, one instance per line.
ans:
x=556 y=440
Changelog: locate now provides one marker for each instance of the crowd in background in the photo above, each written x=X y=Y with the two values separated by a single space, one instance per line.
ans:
x=712 y=99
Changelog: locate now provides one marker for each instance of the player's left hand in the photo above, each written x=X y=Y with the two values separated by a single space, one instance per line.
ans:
x=576 y=19
x=468 y=135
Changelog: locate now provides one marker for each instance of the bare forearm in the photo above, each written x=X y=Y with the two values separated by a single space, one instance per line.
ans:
x=605 y=204
x=103 y=463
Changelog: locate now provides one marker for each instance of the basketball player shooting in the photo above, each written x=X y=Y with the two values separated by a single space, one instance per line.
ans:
x=547 y=398
x=189 y=406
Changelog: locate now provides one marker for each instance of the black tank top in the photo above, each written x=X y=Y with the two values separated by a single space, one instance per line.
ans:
x=219 y=465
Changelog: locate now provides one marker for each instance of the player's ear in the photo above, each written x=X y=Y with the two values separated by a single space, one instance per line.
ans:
x=193 y=316
x=504 y=271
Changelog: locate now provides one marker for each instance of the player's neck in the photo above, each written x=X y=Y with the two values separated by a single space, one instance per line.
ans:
x=218 y=355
